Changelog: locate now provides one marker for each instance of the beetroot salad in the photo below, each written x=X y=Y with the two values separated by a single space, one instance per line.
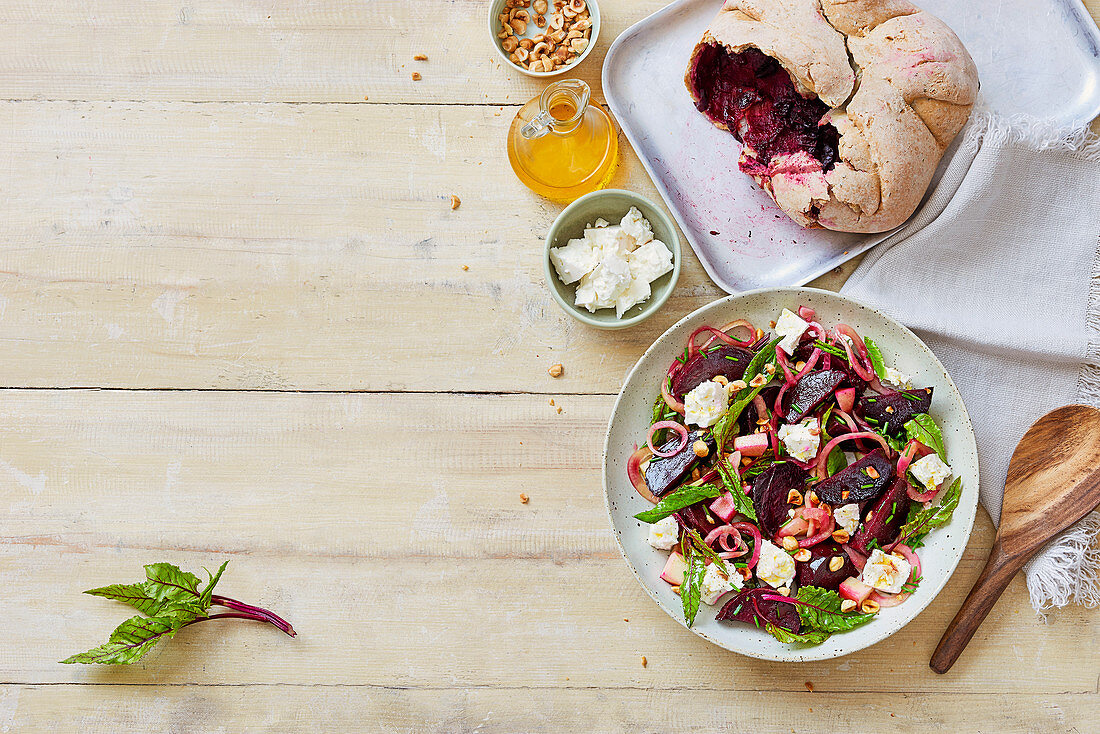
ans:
x=793 y=475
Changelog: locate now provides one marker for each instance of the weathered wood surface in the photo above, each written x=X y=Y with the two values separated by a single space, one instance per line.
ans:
x=228 y=227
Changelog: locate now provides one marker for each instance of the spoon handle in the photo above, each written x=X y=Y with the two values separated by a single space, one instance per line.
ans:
x=996 y=575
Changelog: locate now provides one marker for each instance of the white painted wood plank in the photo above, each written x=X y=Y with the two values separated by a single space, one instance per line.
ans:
x=388 y=530
x=288 y=247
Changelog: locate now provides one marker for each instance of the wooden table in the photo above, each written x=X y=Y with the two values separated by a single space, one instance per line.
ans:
x=240 y=321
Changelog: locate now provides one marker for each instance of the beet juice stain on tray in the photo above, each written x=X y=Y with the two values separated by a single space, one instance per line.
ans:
x=695 y=166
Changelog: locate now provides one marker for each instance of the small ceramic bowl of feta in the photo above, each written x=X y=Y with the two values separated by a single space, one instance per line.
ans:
x=612 y=259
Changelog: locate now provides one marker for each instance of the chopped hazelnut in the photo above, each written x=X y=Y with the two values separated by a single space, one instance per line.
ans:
x=420 y=57
x=455 y=202
x=556 y=370
x=524 y=499
x=700 y=448
x=789 y=543
x=416 y=76
x=802 y=555
x=836 y=563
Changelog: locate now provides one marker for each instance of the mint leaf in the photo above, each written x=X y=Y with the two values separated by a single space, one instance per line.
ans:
x=922 y=428
x=812 y=637
x=692 y=588
x=820 y=610
x=921 y=522
x=678 y=500
x=875 y=354
x=129 y=642
x=732 y=480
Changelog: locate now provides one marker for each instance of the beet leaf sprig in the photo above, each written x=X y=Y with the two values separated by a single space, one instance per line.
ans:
x=170 y=599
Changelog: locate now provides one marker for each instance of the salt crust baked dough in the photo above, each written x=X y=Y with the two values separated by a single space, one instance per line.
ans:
x=898 y=85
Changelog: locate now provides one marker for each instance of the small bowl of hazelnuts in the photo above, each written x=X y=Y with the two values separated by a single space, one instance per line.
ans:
x=544 y=38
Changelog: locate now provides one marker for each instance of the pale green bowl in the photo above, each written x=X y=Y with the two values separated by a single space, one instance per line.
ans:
x=611 y=204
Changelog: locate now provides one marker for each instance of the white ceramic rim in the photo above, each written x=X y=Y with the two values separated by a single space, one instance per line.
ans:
x=889 y=624
x=594 y=14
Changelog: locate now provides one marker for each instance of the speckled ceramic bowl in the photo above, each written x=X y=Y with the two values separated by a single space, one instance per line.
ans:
x=612 y=205
x=631 y=417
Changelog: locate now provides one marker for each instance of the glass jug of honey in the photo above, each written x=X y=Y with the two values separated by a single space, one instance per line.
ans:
x=560 y=146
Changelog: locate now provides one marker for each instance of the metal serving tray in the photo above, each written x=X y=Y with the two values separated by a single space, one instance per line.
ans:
x=1040 y=57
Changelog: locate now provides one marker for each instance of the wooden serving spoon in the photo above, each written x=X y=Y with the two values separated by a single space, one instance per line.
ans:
x=1053 y=481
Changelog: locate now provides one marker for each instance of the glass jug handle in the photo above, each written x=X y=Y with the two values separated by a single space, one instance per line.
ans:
x=538 y=126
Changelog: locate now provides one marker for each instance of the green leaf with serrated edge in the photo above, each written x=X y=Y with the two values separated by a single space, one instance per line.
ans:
x=678 y=500
x=169 y=582
x=836 y=462
x=692 y=589
x=925 y=520
x=209 y=590
x=129 y=642
x=813 y=637
x=148 y=599
x=819 y=610
x=708 y=552
x=760 y=359
x=728 y=421
x=875 y=355
x=136 y=595
x=732 y=480
x=922 y=428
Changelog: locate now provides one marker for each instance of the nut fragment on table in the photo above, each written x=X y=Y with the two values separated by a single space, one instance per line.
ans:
x=568 y=33
x=455 y=202
x=556 y=370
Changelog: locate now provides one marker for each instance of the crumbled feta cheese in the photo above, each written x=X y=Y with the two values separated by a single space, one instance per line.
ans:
x=705 y=403
x=574 y=260
x=847 y=517
x=900 y=379
x=801 y=439
x=930 y=471
x=635 y=293
x=602 y=287
x=610 y=241
x=613 y=265
x=650 y=261
x=775 y=566
x=664 y=534
x=791 y=328
x=886 y=571
x=715 y=585
x=637 y=226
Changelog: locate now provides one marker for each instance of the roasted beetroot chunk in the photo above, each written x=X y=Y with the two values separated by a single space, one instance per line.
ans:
x=770 y=491
x=747 y=421
x=811 y=391
x=815 y=572
x=749 y=606
x=699 y=518
x=723 y=359
x=664 y=473
x=894 y=410
x=755 y=98
x=856 y=483
x=885 y=518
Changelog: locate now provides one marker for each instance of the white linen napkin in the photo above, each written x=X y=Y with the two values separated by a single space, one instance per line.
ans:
x=999 y=274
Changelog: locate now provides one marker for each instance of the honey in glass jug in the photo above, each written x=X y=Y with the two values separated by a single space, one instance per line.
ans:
x=560 y=146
